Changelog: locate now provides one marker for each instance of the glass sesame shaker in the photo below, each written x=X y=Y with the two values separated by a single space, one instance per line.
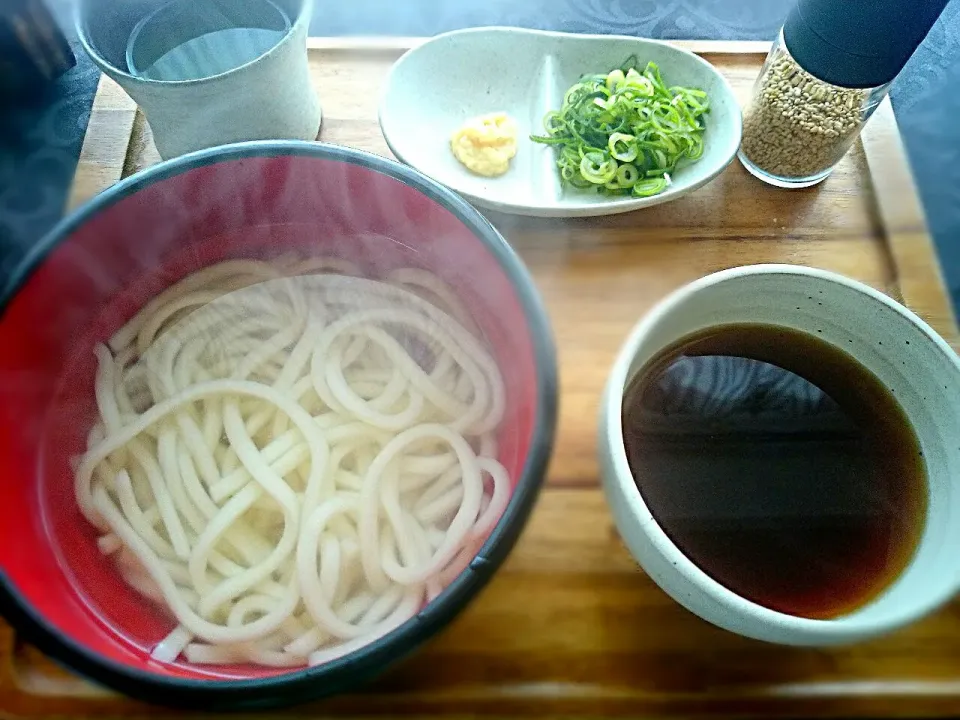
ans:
x=826 y=73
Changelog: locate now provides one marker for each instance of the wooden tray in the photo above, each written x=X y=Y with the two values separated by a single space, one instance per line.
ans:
x=570 y=626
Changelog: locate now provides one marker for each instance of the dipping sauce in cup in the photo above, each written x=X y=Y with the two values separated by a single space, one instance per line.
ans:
x=777 y=448
x=785 y=469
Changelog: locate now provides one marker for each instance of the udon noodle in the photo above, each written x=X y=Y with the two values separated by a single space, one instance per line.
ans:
x=292 y=460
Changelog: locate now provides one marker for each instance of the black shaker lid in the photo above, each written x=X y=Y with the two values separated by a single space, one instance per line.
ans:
x=858 y=43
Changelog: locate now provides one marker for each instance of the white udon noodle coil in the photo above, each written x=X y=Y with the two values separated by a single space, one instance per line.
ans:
x=291 y=462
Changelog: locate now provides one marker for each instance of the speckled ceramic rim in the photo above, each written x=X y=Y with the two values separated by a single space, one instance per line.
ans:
x=80 y=22
x=845 y=629
x=364 y=664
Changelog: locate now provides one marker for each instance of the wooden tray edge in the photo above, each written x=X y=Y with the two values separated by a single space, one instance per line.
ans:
x=93 y=175
x=899 y=209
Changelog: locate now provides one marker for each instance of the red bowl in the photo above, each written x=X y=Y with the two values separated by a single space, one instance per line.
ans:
x=104 y=262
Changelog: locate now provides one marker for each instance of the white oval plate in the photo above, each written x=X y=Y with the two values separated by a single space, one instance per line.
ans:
x=434 y=88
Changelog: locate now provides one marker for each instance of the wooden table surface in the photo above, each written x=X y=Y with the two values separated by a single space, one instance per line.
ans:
x=570 y=625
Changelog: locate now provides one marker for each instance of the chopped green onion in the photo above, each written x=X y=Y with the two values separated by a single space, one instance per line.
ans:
x=646 y=188
x=553 y=122
x=636 y=81
x=597 y=168
x=627 y=175
x=625 y=132
x=622 y=147
x=614 y=79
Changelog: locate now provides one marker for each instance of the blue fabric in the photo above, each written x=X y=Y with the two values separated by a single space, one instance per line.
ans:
x=40 y=143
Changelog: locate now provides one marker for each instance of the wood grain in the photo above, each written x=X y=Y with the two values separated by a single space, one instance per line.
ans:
x=570 y=626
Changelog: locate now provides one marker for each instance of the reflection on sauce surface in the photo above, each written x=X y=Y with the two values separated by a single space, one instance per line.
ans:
x=780 y=466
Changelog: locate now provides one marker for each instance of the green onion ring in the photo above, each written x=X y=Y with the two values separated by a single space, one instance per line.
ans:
x=598 y=169
x=623 y=132
x=622 y=147
x=627 y=175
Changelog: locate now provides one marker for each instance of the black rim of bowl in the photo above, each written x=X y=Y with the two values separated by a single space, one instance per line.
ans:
x=362 y=665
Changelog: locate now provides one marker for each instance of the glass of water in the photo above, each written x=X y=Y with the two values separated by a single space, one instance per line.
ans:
x=208 y=72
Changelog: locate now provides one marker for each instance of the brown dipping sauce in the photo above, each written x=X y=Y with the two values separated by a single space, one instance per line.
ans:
x=779 y=465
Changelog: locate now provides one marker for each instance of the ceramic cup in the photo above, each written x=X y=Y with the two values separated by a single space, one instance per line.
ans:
x=889 y=340
x=208 y=73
